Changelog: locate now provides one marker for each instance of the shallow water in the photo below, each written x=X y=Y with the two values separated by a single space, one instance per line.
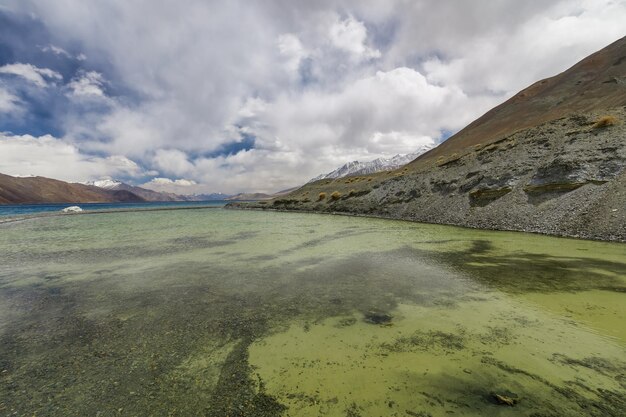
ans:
x=217 y=312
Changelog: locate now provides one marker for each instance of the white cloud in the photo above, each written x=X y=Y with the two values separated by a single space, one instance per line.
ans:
x=179 y=186
x=31 y=73
x=172 y=161
x=167 y=181
x=398 y=100
x=350 y=35
x=56 y=50
x=394 y=142
x=9 y=103
x=51 y=157
x=292 y=49
x=87 y=84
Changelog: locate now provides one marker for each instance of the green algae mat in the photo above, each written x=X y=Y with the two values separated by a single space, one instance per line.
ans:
x=230 y=313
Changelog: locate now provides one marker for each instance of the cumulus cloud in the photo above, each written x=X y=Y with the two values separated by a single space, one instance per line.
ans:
x=349 y=121
x=25 y=155
x=305 y=86
x=350 y=35
x=87 y=84
x=172 y=161
x=167 y=181
x=38 y=76
x=292 y=49
x=179 y=186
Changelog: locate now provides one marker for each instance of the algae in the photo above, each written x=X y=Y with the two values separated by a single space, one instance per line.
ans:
x=242 y=313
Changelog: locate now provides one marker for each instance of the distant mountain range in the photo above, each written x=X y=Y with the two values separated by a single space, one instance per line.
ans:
x=35 y=190
x=250 y=197
x=143 y=193
x=377 y=165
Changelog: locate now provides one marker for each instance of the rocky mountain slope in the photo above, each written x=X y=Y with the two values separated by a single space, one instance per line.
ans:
x=371 y=167
x=549 y=160
x=249 y=197
x=597 y=82
x=33 y=190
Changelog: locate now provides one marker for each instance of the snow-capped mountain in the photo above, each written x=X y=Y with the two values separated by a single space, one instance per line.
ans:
x=377 y=165
x=209 y=197
x=151 y=195
x=107 y=184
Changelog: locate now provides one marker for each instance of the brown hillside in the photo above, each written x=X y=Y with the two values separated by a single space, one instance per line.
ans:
x=597 y=82
x=14 y=190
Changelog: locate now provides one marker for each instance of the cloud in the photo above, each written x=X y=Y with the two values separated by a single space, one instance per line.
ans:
x=167 y=181
x=179 y=186
x=56 y=50
x=350 y=35
x=292 y=49
x=9 y=103
x=392 y=142
x=348 y=120
x=48 y=156
x=31 y=73
x=172 y=161
x=87 y=84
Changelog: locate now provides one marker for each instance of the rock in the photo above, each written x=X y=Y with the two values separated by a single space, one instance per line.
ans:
x=72 y=209
x=502 y=399
x=375 y=316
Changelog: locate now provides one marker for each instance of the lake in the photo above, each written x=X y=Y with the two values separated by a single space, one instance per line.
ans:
x=238 y=313
x=30 y=209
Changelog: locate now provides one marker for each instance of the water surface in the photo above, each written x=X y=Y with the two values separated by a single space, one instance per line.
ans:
x=217 y=312
x=30 y=209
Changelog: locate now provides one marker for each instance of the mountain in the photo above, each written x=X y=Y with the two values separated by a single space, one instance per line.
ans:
x=108 y=184
x=208 y=197
x=258 y=196
x=549 y=160
x=249 y=197
x=365 y=168
x=597 y=82
x=33 y=190
x=154 y=196
x=145 y=194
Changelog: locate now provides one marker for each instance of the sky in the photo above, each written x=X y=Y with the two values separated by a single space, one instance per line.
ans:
x=235 y=96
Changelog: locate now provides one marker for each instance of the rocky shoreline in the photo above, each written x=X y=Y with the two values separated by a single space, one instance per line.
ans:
x=564 y=178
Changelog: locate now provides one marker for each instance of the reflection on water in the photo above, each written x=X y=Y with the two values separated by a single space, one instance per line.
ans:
x=264 y=314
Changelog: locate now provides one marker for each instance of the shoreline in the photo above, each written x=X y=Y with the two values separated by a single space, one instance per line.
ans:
x=238 y=206
x=382 y=217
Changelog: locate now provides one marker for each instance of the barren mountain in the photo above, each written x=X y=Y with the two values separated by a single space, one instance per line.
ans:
x=597 y=82
x=14 y=190
x=549 y=160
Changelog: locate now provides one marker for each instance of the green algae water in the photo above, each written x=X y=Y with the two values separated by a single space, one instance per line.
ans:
x=230 y=313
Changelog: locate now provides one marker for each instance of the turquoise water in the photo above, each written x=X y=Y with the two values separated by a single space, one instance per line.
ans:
x=232 y=313
x=29 y=209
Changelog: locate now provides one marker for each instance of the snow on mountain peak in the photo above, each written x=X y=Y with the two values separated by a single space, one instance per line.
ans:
x=107 y=184
x=377 y=165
